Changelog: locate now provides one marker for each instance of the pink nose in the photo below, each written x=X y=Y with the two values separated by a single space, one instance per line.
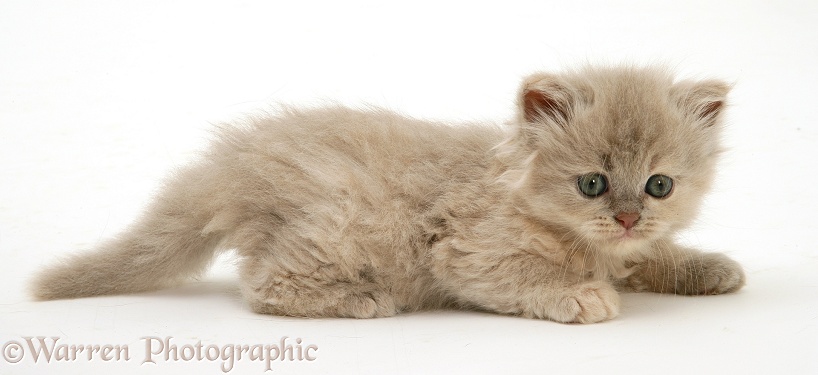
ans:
x=627 y=219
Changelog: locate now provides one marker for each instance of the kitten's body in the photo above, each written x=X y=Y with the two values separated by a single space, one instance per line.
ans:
x=337 y=212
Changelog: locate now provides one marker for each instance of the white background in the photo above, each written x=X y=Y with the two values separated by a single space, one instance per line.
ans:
x=101 y=99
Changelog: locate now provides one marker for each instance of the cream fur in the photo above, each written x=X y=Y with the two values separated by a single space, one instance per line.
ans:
x=347 y=213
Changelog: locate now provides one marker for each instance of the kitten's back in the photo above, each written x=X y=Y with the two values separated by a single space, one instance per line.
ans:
x=337 y=161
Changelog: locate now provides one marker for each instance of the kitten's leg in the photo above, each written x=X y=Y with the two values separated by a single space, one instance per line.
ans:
x=521 y=283
x=322 y=291
x=674 y=269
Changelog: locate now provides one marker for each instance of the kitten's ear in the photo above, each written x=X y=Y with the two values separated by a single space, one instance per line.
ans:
x=546 y=97
x=703 y=100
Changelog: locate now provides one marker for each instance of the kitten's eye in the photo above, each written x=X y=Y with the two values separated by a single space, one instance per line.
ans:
x=593 y=184
x=659 y=186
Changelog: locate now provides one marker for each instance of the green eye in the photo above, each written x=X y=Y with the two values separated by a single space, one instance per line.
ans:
x=593 y=184
x=659 y=186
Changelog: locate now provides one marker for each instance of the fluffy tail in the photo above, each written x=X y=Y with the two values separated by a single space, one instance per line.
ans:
x=170 y=243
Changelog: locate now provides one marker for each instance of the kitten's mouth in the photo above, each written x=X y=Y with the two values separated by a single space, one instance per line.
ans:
x=623 y=237
x=628 y=235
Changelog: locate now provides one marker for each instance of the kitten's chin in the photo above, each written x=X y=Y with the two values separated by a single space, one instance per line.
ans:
x=626 y=243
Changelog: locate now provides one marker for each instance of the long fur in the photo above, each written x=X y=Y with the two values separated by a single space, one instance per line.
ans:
x=348 y=213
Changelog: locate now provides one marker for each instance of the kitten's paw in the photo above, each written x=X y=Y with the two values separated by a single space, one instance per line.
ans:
x=711 y=273
x=589 y=303
x=371 y=305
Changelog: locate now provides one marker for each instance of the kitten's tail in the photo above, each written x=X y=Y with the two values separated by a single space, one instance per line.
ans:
x=174 y=240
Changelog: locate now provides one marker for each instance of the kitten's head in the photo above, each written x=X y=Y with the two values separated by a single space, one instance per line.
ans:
x=618 y=157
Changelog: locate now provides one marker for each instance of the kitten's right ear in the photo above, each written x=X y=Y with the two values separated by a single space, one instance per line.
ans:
x=546 y=98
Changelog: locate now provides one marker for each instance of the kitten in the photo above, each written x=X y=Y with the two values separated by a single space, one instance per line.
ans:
x=342 y=213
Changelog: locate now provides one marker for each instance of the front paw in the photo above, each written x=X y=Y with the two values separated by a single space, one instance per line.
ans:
x=588 y=303
x=710 y=274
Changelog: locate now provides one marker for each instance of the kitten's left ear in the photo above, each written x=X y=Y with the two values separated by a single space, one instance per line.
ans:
x=703 y=100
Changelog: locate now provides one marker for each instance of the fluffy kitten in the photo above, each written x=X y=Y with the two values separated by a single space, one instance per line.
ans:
x=344 y=213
